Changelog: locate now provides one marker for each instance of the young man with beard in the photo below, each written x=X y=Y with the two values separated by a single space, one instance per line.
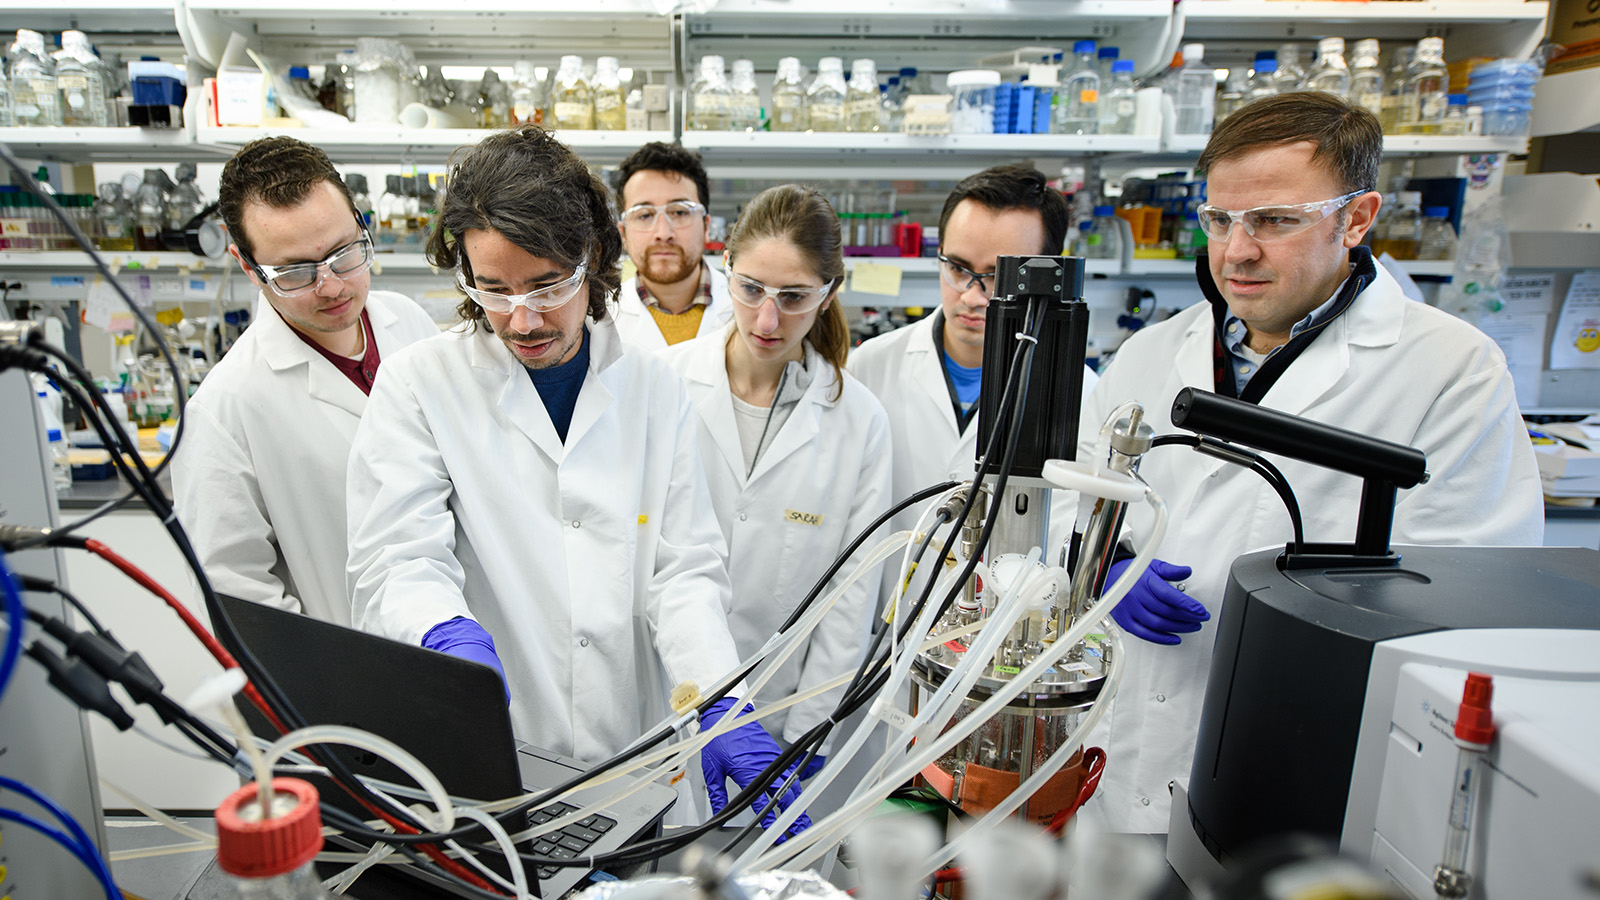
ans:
x=268 y=432
x=662 y=207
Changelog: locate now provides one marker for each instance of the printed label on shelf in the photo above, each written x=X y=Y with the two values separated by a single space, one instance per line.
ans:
x=875 y=278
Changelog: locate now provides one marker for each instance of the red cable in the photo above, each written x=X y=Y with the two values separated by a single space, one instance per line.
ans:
x=222 y=656
x=1094 y=760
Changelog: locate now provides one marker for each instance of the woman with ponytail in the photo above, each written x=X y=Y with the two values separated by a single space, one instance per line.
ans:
x=796 y=450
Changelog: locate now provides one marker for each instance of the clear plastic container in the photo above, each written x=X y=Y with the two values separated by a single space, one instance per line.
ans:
x=1077 y=109
x=113 y=218
x=1405 y=226
x=610 y=105
x=528 y=96
x=60 y=465
x=825 y=96
x=7 y=115
x=1332 y=74
x=1455 y=116
x=35 y=100
x=1105 y=58
x=377 y=82
x=788 y=97
x=1510 y=120
x=973 y=90
x=1262 y=83
x=150 y=210
x=1438 y=238
x=1119 y=108
x=186 y=200
x=572 y=97
x=1366 y=78
x=1423 y=99
x=863 y=102
x=1197 y=92
x=1289 y=75
x=710 y=96
x=744 y=110
x=82 y=85
x=1231 y=96
x=1105 y=224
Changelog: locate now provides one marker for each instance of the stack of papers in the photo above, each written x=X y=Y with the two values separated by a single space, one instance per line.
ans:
x=1567 y=470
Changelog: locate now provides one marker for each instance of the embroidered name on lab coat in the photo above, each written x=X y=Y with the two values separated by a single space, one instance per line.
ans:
x=802 y=518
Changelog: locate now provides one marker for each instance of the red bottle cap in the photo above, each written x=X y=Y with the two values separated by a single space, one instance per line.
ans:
x=1474 y=724
x=249 y=846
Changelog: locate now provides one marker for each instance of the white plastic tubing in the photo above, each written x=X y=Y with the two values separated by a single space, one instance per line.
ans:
x=806 y=848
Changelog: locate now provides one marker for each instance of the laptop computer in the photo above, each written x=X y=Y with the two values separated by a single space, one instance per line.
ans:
x=448 y=712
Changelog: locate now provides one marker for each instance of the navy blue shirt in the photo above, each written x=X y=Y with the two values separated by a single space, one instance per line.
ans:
x=965 y=382
x=558 y=387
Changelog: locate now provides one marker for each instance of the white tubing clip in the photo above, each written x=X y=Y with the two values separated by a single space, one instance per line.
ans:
x=1076 y=476
x=215 y=691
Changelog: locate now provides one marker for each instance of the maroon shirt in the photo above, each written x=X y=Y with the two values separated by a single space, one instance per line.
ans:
x=361 y=371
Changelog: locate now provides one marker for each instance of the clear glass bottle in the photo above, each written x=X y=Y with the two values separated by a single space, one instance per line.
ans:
x=610 y=105
x=1289 y=76
x=526 y=86
x=344 y=82
x=60 y=465
x=572 y=97
x=391 y=212
x=1438 y=238
x=744 y=109
x=412 y=204
x=710 y=96
x=360 y=198
x=35 y=100
x=1332 y=73
x=788 y=97
x=1119 y=108
x=1231 y=96
x=150 y=210
x=82 y=86
x=1366 y=78
x=1077 y=109
x=186 y=200
x=1105 y=224
x=825 y=96
x=113 y=218
x=1423 y=101
x=893 y=113
x=1262 y=83
x=1197 y=92
x=1191 y=237
x=494 y=101
x=1405 y=226
x=862 y=100
x=1394 y=95
x=268 y=855
x=1455 y=116
x=1104 y=59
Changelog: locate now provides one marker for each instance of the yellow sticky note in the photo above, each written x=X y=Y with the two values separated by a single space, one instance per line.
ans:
x=643 y=518
x=875 y=278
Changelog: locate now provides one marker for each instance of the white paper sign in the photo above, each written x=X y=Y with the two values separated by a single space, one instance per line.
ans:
x=1527 y=294
x=1521 y=338
x=1576 y=344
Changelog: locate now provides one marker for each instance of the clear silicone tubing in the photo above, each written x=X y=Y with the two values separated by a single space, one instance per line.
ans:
x=927 y=752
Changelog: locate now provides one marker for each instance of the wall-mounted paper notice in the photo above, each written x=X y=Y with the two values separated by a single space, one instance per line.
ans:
x=875 y=278
x=1521 y=338
x=1576 y=344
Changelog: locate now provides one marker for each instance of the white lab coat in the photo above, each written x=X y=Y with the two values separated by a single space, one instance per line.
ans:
x=1387 y=367
x=259 y=476
x=830 y=463
x=903 y=369
x=594 y=565
x=639 y=328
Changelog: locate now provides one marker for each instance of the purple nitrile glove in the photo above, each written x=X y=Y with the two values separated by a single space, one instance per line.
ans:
x=813 y=767
x=742 y=754
x=1154 y=609
x=466 y=639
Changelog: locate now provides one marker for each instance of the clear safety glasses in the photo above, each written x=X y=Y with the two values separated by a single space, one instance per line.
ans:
x=677 y=214
x=962 y=278
x=543 y=300
x=348 y=261
x=753 y=293
x=1270 y=223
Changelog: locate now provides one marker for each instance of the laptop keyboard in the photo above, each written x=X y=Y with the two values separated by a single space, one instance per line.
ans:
x=572 y=841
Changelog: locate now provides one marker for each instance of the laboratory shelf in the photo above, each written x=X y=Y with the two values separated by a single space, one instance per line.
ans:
x=1393 y=145
x=903 y=156
x=426 y=145
x=93 y=16
x=77 y=262
x=1340 y=11
x=108 y=145
x=1565 y=103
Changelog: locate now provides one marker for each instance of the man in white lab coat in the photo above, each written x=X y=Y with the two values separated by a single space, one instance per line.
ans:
x=526 y=491
x=927 y=374
x=267 y=434
x=675 y=295
x=1299 y=319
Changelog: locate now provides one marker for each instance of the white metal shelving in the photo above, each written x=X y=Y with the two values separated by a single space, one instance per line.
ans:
x=96 y=16
x=424 y=145
x=107 y=145
x=1566 y=103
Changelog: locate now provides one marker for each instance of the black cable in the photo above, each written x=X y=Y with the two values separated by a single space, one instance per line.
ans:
x=35 y=585
x=1258 y=464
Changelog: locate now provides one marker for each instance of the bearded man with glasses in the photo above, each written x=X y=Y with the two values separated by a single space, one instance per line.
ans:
x=526 y=490
x=1299 y=318
x=267 y=434
x=662 y=199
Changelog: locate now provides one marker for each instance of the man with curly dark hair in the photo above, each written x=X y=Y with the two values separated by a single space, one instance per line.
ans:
x=527 y=490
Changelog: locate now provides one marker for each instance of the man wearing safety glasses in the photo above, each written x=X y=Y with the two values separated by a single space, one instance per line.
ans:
x=267 y=434
x=1297 y=317
x=661 y=201
x=526 y=490
x=927 y=375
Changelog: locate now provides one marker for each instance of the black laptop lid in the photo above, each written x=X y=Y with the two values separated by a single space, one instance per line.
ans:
x=448 y=712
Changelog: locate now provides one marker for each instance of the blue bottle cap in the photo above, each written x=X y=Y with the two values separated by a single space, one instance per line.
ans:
x=1266 y=54
x=1266 y=66
x=1456 y=99
x=1109 y=52
x=1122 y=65
x=1083 y=47
x=1105 y=211
x=299 y=72
x=1436 y=212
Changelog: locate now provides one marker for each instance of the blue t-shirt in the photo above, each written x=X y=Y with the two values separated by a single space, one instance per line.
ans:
x=965 y=381
x=558 y=386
